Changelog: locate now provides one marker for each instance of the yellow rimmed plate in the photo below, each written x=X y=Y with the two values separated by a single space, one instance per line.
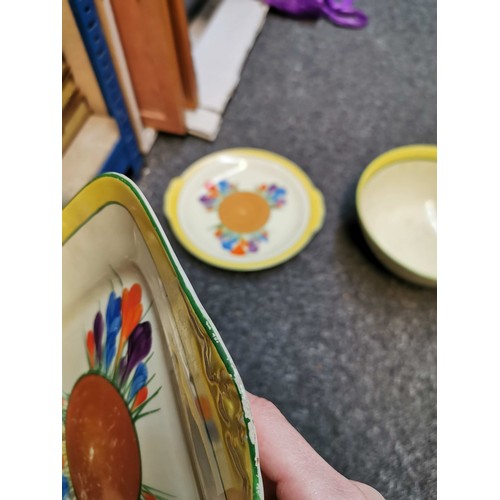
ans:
x=244 y=209
x=396 y=200
x=153 y=406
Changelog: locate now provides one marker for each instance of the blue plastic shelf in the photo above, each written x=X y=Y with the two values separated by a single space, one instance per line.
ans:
x=125 y=156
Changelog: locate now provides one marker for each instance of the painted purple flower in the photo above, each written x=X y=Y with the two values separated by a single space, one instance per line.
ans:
x=121 y=368
x=138 y=346
x=252 y=246
x=98 y=332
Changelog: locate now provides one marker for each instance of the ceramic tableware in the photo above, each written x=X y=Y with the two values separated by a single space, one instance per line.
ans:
x=396 y=200
x=244 y=209
x=153 y=406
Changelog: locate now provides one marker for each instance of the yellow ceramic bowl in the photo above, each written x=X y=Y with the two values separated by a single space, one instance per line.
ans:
x=396 y=200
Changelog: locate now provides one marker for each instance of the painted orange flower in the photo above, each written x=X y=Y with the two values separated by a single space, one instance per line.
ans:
x=131 y=314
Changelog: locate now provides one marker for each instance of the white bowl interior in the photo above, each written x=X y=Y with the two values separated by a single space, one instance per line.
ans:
x=398 y=208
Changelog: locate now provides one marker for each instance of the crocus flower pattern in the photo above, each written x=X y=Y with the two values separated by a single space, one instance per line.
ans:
x=118 y=348
x=242 y=214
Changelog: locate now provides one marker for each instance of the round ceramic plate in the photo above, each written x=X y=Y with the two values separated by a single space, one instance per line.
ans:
x=244 y=209
x=396 y=201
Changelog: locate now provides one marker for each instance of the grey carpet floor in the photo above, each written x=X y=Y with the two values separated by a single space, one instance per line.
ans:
x=346 y=350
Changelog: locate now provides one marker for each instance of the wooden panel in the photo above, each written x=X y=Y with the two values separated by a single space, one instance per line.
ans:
x=145 y=136
x=147 y=37
x=87 y=153
x=68 y=90
x=183 y=47
x=221 y=49
x=74 y=115
x=75 y=109
x=77 y=59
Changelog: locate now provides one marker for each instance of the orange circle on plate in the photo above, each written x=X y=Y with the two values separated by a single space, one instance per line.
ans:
x=101 y=444
x=244 y=212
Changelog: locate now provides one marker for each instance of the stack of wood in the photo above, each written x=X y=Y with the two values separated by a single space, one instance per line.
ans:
x=75 y=109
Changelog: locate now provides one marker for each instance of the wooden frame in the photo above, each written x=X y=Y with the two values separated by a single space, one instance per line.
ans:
x=155 y=39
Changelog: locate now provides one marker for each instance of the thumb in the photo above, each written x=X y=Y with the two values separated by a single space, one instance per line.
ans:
x=288 y=460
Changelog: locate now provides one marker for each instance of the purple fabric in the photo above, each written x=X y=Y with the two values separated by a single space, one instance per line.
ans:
x=340 y=12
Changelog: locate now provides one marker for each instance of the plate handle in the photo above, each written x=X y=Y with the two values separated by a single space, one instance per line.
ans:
x=318 y=209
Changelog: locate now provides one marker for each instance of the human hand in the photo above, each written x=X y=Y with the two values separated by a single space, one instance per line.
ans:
x=291 y=469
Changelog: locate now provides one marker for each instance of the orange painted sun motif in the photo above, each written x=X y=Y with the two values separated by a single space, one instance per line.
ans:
x=243 y=214
x=101 y=449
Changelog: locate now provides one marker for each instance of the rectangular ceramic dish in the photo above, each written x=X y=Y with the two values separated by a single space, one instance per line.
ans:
x=153 y=406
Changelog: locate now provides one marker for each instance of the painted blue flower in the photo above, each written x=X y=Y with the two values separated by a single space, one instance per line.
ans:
x=279 y=193
x=65 y=488
x=224 y=187
x=139 y=380
x=113 y=325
